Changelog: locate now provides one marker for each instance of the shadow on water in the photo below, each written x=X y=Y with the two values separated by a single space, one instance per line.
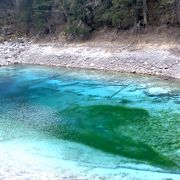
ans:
x=98 y=127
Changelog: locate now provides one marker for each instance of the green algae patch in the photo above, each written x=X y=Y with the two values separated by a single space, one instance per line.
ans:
x=101 y=127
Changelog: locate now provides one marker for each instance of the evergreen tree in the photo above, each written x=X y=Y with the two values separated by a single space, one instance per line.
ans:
x=41 y=13
x=80 y=17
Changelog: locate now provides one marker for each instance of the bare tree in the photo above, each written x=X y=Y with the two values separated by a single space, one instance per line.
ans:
x=17 y=6
x=145 y=12
x=18 y=3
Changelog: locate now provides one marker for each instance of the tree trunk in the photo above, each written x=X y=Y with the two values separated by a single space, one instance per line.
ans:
x=145 y=12
x=177 y=10
x=17 y=6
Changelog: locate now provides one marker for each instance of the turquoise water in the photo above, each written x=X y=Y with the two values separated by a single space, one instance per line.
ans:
x=79 y=120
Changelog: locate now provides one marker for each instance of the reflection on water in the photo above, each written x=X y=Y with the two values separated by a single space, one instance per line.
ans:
x=94 y=119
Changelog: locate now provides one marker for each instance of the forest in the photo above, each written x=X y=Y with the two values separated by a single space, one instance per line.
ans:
x=79 y=18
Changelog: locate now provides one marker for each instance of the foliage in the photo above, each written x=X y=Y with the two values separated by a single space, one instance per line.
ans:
x=24 y=19
x=41 y=12
x=81 y=17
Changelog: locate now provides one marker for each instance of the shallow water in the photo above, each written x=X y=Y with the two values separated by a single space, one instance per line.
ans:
x=82 y=123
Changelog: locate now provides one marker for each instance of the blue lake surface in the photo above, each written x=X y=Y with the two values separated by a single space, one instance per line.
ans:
x=88 y=123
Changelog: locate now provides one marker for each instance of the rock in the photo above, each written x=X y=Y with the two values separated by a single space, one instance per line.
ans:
x=112 y=62
x=20 y=40
x=92 y=64
x=145 y=63
x=7 y=30
x=1 y=39
x=134 y=72
x=7 y=57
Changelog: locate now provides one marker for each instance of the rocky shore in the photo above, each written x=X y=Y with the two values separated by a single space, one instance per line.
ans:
x=100 y=55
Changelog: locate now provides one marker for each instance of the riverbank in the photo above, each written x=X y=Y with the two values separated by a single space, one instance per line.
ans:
x=153 y=59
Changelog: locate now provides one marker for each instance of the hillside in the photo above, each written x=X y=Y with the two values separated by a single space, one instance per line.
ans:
x=81 y=18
